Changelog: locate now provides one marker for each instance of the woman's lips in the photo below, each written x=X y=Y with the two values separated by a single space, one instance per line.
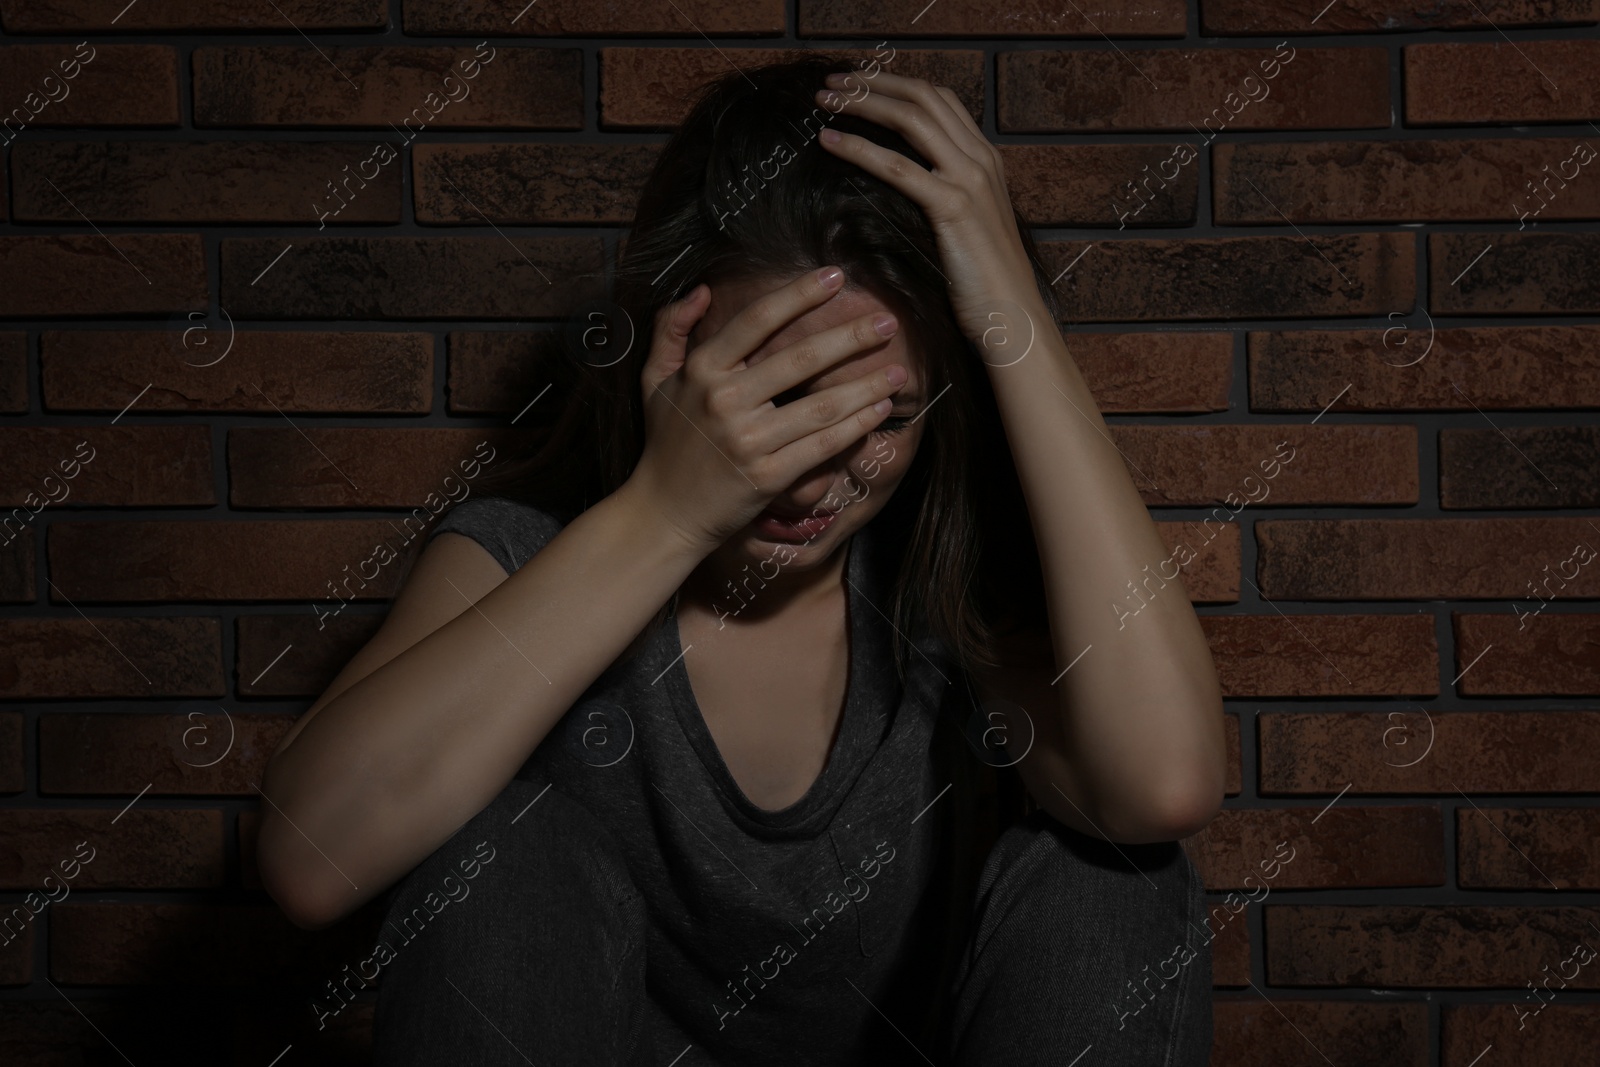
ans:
x=775 y=527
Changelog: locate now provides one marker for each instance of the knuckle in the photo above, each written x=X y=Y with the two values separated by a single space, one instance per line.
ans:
x=761 y=471
x=720 y=397
x=827 y=442
x=805 y=356
x=744 y=442
x=764 y=315
x=825 y=409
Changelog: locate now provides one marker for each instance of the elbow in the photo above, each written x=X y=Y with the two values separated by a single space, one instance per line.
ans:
x=1185 y=812
x=297 y=895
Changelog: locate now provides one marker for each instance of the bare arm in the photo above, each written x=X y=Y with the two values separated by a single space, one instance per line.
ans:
x=472 y=668
x=1134 y=750
x=434 y=717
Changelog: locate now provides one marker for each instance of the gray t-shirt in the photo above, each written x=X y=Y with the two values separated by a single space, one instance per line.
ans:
x=777 y=937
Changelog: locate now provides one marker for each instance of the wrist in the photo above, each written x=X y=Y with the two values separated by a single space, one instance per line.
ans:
x=644 y=507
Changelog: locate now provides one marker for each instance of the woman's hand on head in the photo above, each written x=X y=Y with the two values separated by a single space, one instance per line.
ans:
x=964 y=196
x=717 y=448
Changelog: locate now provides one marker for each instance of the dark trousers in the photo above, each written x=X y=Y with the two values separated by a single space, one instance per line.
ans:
x=1074 y=947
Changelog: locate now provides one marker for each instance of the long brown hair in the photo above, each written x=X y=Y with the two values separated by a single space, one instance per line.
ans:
x=742 y=189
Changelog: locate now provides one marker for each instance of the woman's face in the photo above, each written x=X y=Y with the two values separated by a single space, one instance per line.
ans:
x=855 y=484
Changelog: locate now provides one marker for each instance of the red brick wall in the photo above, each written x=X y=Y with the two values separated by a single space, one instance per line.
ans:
x=226 y=402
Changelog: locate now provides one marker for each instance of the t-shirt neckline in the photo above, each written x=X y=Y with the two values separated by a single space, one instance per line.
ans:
x=852 y=748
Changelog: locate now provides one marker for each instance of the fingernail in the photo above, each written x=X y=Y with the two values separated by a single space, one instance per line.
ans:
x=896 y=375
x=882 y=407
x=884 y=324
x=830 y=277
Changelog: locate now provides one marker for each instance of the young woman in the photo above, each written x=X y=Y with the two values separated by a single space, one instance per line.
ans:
x=671 y=749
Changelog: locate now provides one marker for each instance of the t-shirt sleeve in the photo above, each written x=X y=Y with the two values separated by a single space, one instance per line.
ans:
x=509 y=530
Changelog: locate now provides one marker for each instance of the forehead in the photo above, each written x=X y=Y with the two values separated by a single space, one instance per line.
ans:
x=731 y=296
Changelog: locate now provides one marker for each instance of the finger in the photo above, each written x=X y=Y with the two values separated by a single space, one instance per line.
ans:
x=915 y=110
x=670 y=337
x=822 y=445
x=891 y=167
x=784 y=425
x=962 y=114
x=745 y=332
x=810 y=357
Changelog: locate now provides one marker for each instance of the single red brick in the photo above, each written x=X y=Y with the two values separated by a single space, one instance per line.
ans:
x=404 y=89
x=1323 y=655
x=578 y=18
x=1230 y=948
x=1394 y=181
x=1270 y=466
x=291 y=656
x=409 y=277
x=149 y=466
x=1276 y=1031
x=122 y=753
x=1177 y=372
x=1418 y=559
x=1502 y=81
x=1234 y=780
x=653 y=88
x=1527 y=848
x=1416 y=367
x=1260 y=850
x=507 y=372
x=165 y=848
x=16 y=958
x=1523 y=1034
x=205 y=181
x=1520 y=467
x=291 y=559
x=1233 y=277
x=907 y=18
x=1421 y=946
x=1421 y=752
x=13 y=766
x=360 y=467
x=72 y=16
x=1207 y=92
x=55 y=85
x=17 y=559
x=111 y=657
x=528 y=184
x=1102 y=185
x=85 y=275
x=1513 y=273
x=200 y=366
x=248 y=833
x=13 y=373
x=1524 y=652
x=161 y=944
x=1247 y=17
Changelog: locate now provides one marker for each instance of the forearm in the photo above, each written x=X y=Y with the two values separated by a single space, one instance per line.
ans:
x=392 y=766
x=1141 y=706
